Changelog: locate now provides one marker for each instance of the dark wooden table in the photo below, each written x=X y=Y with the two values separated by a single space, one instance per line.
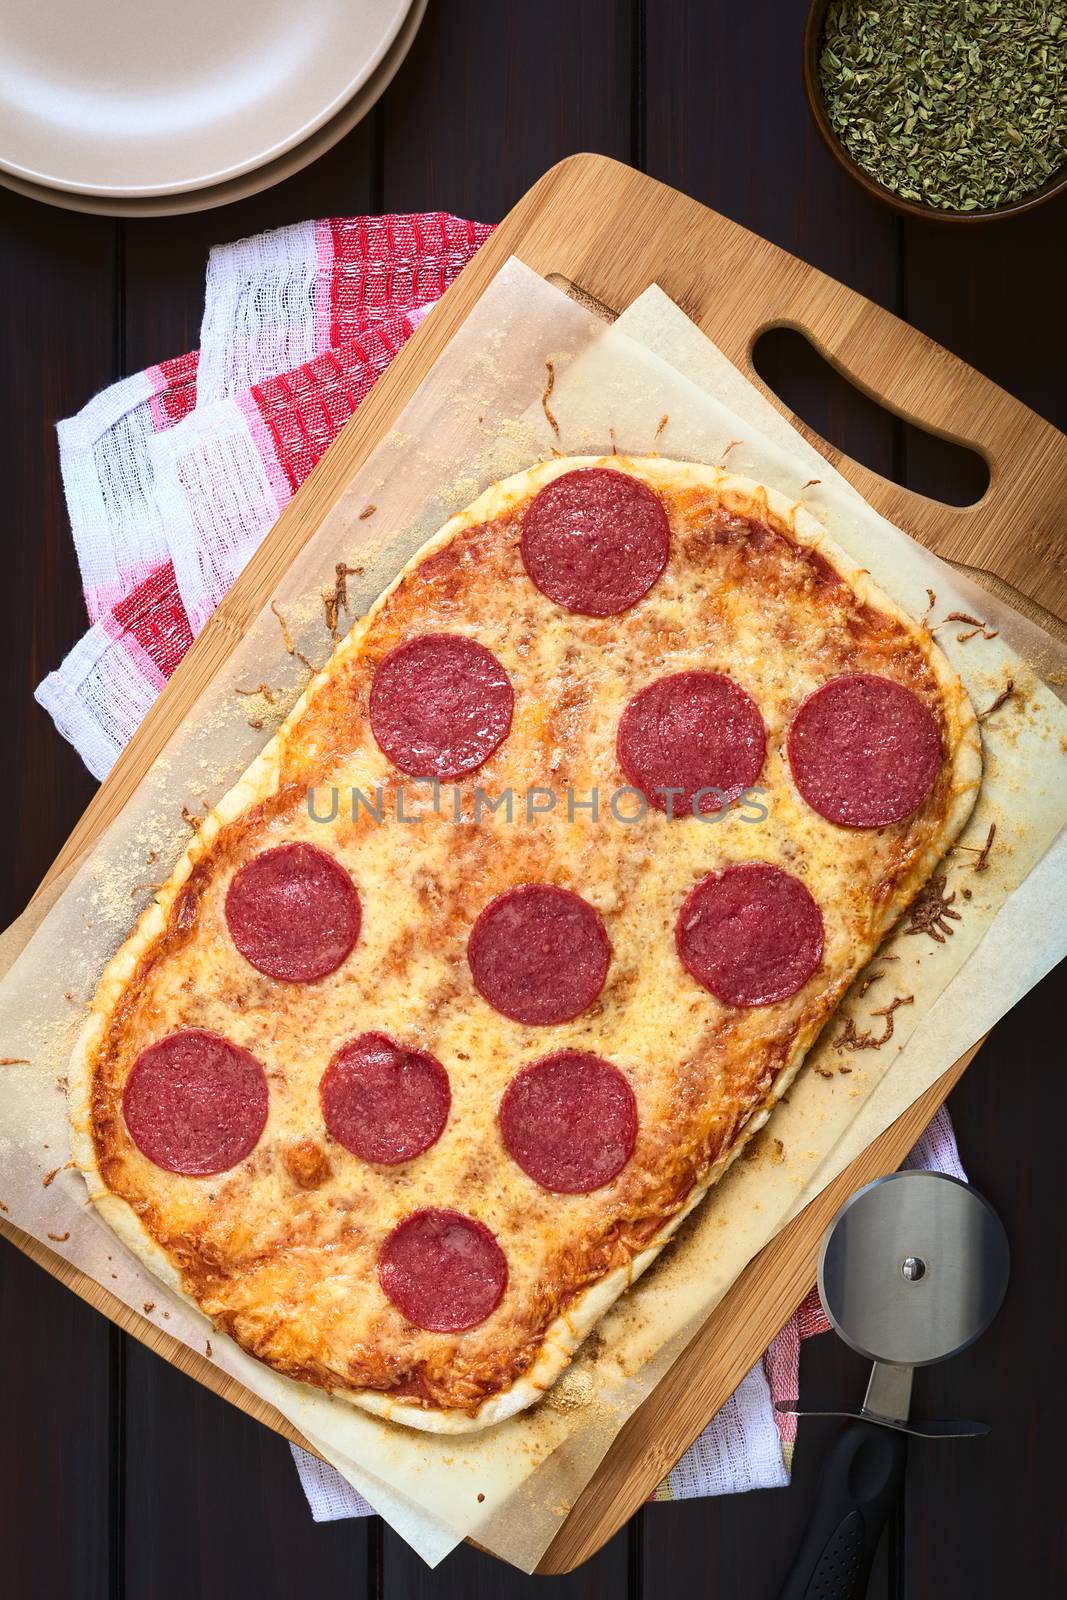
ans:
x=119 y=1477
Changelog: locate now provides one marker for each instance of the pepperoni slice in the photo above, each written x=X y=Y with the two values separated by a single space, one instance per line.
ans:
x=194 y=1103
x=384 y=1102
x=691 y=732
x=570 y=1121
x=443 y=1271
x=595 y=541
x=752 y=934
x=539 y=954
x=440 y=705
x=293 y=912
x=864 y=751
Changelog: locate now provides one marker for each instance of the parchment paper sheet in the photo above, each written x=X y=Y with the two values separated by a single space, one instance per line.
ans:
x=1011 y=959
x=477 y=416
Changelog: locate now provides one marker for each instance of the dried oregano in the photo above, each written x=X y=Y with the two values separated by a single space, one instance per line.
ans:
x=958 y=104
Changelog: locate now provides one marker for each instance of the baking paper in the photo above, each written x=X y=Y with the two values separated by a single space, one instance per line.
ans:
x=477 y=416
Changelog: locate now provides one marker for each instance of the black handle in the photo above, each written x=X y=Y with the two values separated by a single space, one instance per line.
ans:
x=858 y=1485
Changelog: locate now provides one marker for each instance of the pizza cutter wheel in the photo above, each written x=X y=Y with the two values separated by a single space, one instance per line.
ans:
x=912 y=1270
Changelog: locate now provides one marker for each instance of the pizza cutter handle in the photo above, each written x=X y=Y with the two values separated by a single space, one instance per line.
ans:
x=857 y=1488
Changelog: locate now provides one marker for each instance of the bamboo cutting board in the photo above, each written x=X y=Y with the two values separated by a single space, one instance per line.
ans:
x=609 y=232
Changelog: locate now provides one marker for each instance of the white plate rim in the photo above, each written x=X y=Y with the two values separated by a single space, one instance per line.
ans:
x=235 y=170
x=252 y=183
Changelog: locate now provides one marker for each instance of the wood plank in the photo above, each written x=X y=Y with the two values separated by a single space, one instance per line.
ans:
x=746 y=1543
x=57 y=294
x=987 y=1516
x=57 y=290
x=504 y=91
x=56 y=1399
x=470 y=1574
x=728 y=125
x=982 y=1518
x=994 y=296
x=214 y=1507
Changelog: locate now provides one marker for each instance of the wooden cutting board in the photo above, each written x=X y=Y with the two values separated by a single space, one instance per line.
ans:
x=609 y=232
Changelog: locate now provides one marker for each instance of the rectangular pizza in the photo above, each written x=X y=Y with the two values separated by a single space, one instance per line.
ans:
x=470 y=989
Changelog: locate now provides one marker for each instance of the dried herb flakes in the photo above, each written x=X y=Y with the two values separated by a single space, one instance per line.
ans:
x=960 y=105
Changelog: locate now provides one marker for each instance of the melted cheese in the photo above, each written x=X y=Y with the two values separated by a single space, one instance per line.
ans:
x=282 y=1250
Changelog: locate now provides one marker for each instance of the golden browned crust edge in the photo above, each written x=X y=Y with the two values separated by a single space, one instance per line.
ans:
x=570 y=1328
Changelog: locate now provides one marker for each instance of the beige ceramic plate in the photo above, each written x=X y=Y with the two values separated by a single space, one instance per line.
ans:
x=221 y=194
x=137 y=98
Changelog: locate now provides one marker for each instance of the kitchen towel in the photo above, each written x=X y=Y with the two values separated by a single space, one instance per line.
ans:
x=172 y=478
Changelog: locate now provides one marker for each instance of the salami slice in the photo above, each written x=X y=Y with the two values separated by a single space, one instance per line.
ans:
x=384 y=1102
x=569 y=1121
x=864 y=751
x=752 y=934
x=440 y=705
x=195 y=1104
x=539 y=954
x=443 y=1271
x=595 y=541
x=691 y=742
x=293 y=912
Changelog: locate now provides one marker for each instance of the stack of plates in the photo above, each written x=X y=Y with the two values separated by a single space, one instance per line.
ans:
x=154 y=107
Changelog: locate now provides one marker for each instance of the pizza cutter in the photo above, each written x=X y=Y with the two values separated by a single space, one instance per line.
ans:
x=912 y=1270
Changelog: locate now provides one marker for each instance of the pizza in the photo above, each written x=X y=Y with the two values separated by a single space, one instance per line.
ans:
x=474 y=984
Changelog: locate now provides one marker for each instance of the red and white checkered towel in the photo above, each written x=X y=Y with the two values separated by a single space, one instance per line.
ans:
x=174 y=475
x=172 y=478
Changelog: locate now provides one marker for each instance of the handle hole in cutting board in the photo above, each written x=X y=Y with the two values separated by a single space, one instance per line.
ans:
x=852 y=421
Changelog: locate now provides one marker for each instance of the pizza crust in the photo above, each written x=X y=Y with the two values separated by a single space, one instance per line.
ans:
x=567 y=1331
